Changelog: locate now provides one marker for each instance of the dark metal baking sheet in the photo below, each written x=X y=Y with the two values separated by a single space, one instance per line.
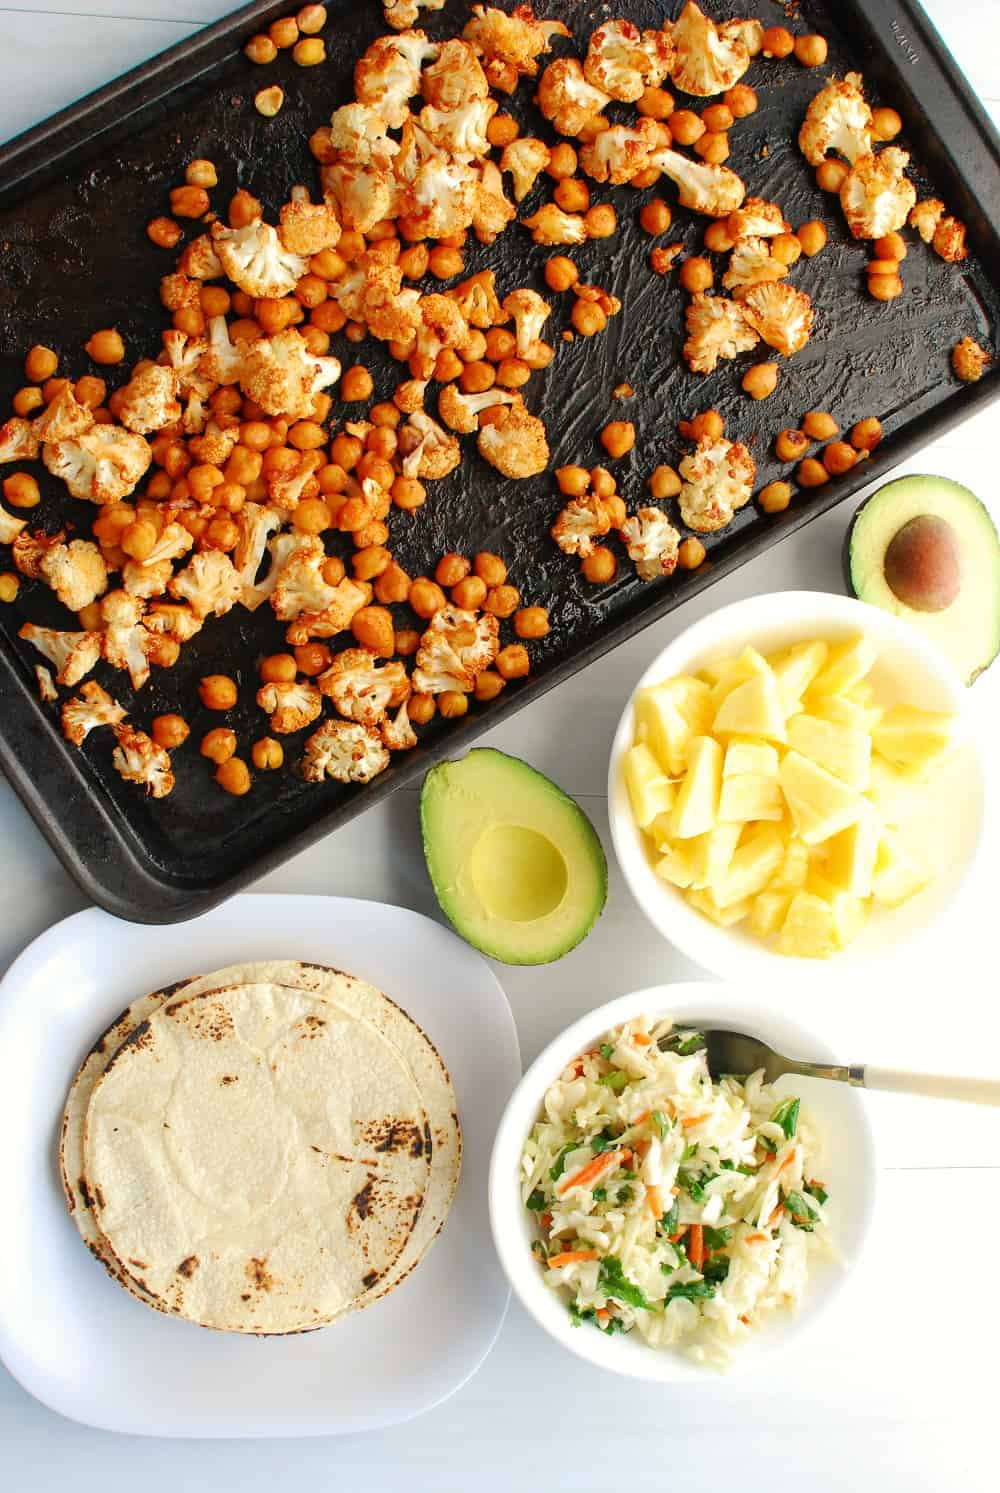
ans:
x=75 y=194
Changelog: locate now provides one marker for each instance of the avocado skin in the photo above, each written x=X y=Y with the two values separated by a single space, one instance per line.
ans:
x=943 y=494
x=590 y=883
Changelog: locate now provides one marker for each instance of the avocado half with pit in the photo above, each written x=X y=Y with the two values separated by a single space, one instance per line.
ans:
x=926 y=549
x=516 y=865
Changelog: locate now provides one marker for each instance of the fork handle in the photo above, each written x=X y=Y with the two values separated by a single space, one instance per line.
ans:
x=931 y=1085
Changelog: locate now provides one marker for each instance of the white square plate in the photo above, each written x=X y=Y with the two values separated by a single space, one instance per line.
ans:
x=84 y=1347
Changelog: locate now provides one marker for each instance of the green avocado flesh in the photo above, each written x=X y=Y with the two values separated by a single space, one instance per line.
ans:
x=936 y=543
x=516 y=865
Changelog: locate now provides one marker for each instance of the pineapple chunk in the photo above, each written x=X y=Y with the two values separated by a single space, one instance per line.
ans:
x=650 y=791
x=809 y=930
x=753 y=708
x=675 y=866
x=890 y=791
x=735 y=912
x=912 y=738
x=711 y=853
x=737 y=671
x=846 y=665
x=750 y=796
x=751 y=868
x=661 y=831
x=821 y=805
x=697 y=807
x=668 y=715
x=794 y=868
x=850 y=856
x=844 y=752
x=767 y=912
x=844 y=711
x=795 y=669
x=750 y=756
x=849 y=917
x=898 y=875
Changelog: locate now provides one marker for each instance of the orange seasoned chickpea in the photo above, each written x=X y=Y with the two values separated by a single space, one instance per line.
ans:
x=164 y=232
x=218 y=692
x=685 y=127
x=310 y=291
x=445 y=264
x=311 y=516
x=791 y=445
x=811 y=50
x=470 y=593
x=54 y=386
x=426 y=597
x=600 y=221
x=407 y=641
x=718 y=118
x=502 y=600
x=385 y=414
x=786 y=248
x=169 y=731
x=139 y=539
x=885 y=287
x=473 y=346
x=718 y=238
x=560 y=274
x=451 y=569
x=244 y=208
x=476 y=378
x=886 y=124
x=233 y=776
x=370 y=562
x=311 y=19
x=267 y=754
x=421 y=709
x=599 y=566
x=393 y=585
x=603 y=482
x=353 y=515
x=188 y=202
x=332 y=570
x=690 y=553
x=201 y=173
x=664 y=482
x=191 y=319
x=655 y=103
x=312 y=658
x=830 y=175
x=106 y=347
x=243 y=466
x=351 y=245
x=284 y=32
x=408 y=493
x=451 y=704
x=260 y=49
x=447 y=365
x=372 y=627
x=310 y=51
x=328 y=265
x=40 y=363
x=355 y=331
x=588 y=318
x=891 y=246
x=346 y=451
x=22 y=491
x=202 y=479
x=306 y=435
x=562 y=161
x=777 y=41
x=761 y=380
x=531 y=622
x=414 y=261
x=811 y=473
x=332 y=480
x=513 y=662
x=241 y=330
x=221 y=534
x=276 y=313
x=90 y=390
x=572 y=195
x=713 y=148
x=512 y=373
x=819 y=426
x=10 y=585
x=327 y=317
x=488 y=685
x=158 y=486
x=500 y=344
x=775 y=497
x=255 y=435
x=696 y=274
x=839 y=457
x=740 y=100
x=866 y=434
x=618 y=438
x=162 y=652
x=214 y=301
x=489 y=568
x=708 y=423
x=812 y=236
x=27 y=400
x=277 y=668
x=219 y=744
x=655 y=216
x=502 y=130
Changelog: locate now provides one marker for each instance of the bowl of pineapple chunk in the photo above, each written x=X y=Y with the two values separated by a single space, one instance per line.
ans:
x=793 y=781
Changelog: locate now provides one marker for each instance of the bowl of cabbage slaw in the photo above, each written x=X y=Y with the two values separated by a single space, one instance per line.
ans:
x=662 y=1223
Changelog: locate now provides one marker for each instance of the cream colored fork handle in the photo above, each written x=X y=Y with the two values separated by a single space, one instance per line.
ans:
x=932 y=1085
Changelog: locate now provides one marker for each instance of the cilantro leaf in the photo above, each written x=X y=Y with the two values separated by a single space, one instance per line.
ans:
x=576 y=1316
x=602 y=1141
x=612 y=1282
x=716 y=1238
x=691 y=1185
x=559 y=1165
x=616 y=1080
x=661 y=1122
x=670 y=1221
x=691 y=1290
x=818 y=1191
x=613 y=1325
x=537 y=1202
x=730 y=1166
x=803 y=1215
x=684 y=1044
x=688 y=1152
x=625 y=1195
x=767 y=1144
x=787 y=1116
x=600 y=1194
x=716 y=1269
x=606 y=1050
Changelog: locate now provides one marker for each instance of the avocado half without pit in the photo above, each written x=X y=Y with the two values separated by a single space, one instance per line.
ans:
x=516 y=865
x=926 y=549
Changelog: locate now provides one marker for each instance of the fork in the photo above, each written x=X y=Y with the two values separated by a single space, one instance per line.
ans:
x=737 y=1053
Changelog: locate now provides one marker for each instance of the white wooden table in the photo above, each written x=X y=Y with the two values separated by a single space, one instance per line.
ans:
x=897 y=1389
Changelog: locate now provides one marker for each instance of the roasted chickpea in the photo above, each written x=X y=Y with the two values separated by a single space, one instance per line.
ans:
x=277 y=668
x=40 y=363
x=713 y=148
x=489 y=568
x=353 y=515
x=426 y=597
x=451 y=703
x=599 y=566
x=562 y=161
x=421 y=709
x=603 y=482
x=306 y=435
x=312 y=658
x=777 y=42
x=326 y=317
x=201 y=173
x=690 y=553
x=27 y=400
x=718 y=238
x=708 y=423
x=22 y=491
x=500 y=344
x=162 y=652
x=786 y=248
x=407 y=642
x=560 y=274
x=139 y=539
x=512 y=373
x=740 y=100
x=470 y=593
x=812 y=236
x=655 y=216
x=188 y=202
x=891 y=246
x=332 y=570
x=445 y=264
x=346 y=451
x=311 y=19
x=600 y=221
x=310 y=51
x=655 y=103
x=886 y=124
x=219 y=744
x=685 y=127
x=373 y=628
x=218 y=692
x=269 y=101
x=233 y=776
x=885 y=287
x=513 y=662
x=819 y=426
x=811 y=50
x=10 y=585
x=488 y=685
x=775 y=497
x=664 y=482
x=408 y=493
x=761 y=380
x=221 y=534
x=830 y=175
x=811 y=473
x=502 y=601
x=260 y=49
x=105 y=347
x=866 y=434
x=502 y=130
x=618 y=438
x=284 y=32
x=244 y=208
x=718 y=118
x=696 y=274
x=267 y=754
x=791 y=445
x=531 y=622
x=839 y=458
x=451 y=569
x=54 y=386
x=393 y=585
x=588 y=318
x=572 y=195
x=385 y=415
x=169 y=731
x=573 y=481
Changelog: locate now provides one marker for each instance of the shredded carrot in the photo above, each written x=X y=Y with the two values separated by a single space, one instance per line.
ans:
x=754 y=1238
x=696 y=1246
x=775 y=1216
x=641 y=1039
x=789 y=1160
x=690 y=1121
x=655 y=1200
x=640 y=1119
x=603 y=1316
x=571 y=1257
x=673 y=1238
x=640 y=1147
x=606 y=1162
x=546 y=1220
x=675 y=1192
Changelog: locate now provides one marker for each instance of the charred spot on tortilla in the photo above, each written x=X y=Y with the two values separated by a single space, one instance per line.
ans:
x=88 y=1201
x=139 y=1038
x=188 y=1267
x=259 y=1275
x=362 y=1202
x=370 y=1279
x=226 y=1080
x=396 y=1136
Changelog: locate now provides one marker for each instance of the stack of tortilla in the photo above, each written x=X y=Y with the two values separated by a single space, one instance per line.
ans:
x=262 y=1149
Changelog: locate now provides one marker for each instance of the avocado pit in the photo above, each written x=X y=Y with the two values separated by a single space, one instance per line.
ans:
x=921 y=564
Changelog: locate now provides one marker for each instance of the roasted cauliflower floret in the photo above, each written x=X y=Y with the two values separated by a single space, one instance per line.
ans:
x=306 y=228
x=184 y=355
x=147 y=579
x=566 y=98
x=47 y=691
x=925 y=217
x=300 y=586
x=837 y=119
x=256 y=523
x=138 y=759
x=362 y=689
x=460 y=132
x=281 y=548
x=876 y=195
x=285 y=490
x=426 y=449
x=373 y=293
x=624 y=63
x=169 y=620
x=361 y=195
x=346 y=751
x=949 y=240
x=180 y=292
x=71 y=654
x=397 y=733
x=509 y=45
x=717 y=480
x=388 y=75
x=256 y=260
x=149 y=400
x=102 y=465
x=290 y=706
x=620 y=152
x=441 y=325
x=76 y=572
x=454 y=77
x=283 y=376
x=491 y=210
x=10 y=526
x=757 y=218
x=716 y=329
x=652 y=543
x=969 y=361
x=460 y=411
x=29 y=549
x=476 y=298
x=701 y=186
x=515 y=443
x=124 y=639
x=581 y=523
x=348 y=597
x=403 y=13
x=64 y=419
x=222 y=360
x=530 y=313
x=708 y=60
x=199 y=260
x=215 y=444
x=752 y=263
x=456 y=646
x=525 y=159
x=780 y=315
x=443 y=196
x=750 y=32
x=18 y=441
x=550 y=225
x=359 y=133
x=91 y=708
x=209 y=583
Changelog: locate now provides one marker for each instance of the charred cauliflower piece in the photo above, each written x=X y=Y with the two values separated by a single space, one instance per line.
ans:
x=524 y=159
x=10 y=526
x=780 y=315
x=170 y=620
x=509 y=45
x=491 y=210
x=346 y=751
x=752 y=263
x=199 y=260
x=550 y=225
x=949 y=240
x=209 y=583
x=300 y=586
x=716 y=329
x=708 y=59
x=454 y=77
x=515 y=443
x=460 y=412
x=566 y=98
x=529 y=312
x=184 y=355
x=456 y=646
x=71 y=654
x=757 y=218
x=652 y=543
x=283 y=376
x=620 y=152
x=103 y=465
x=91 y=708
x=30 y=548
x=426 y=449
x=623 y=63
x=18 y=441
x=63 y=419
x=124 y=639
x=290 y=706
x=583 y=521
x=149 y=400
x=388 y=75
x=256 y=260
x=138 y=759
x=717 y=480
x=348 y=597
x=362 y=689
x=403 y=13
x=969 y=361
x=876 y=195
x=837 y=120
x=76 y=572
x=256 y=523
x=397 y=733
x=307 y=228
x=925 y=217
x=701 y=186
x=476 y=298
x=460 y=132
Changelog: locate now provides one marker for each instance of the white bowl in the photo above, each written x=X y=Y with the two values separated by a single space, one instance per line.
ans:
x=909 y=670
x=848 y=1169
